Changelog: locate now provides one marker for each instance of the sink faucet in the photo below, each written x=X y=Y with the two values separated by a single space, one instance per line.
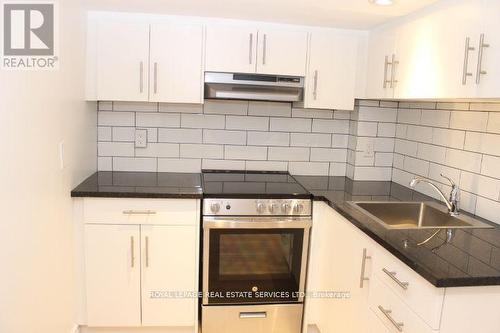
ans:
x=452 y=203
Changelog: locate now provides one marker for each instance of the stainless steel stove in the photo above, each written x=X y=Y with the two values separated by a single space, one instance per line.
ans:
x=255 y=254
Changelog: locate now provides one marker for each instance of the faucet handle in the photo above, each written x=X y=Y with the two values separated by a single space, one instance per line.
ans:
x=453 y=185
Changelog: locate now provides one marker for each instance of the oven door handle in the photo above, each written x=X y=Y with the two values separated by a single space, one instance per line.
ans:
x=253 y=315
x=255 y=224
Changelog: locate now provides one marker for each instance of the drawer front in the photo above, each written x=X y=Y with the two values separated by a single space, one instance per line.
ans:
x=391 y=310
x=141 y=211
x=421 y=296
x=283 y=318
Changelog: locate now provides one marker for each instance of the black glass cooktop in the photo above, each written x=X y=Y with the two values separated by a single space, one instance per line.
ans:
x=250 y=184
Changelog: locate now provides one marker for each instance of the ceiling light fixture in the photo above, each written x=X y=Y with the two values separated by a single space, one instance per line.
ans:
x=382 y=2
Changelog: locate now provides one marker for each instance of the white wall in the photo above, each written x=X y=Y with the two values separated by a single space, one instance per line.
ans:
x=37 y=111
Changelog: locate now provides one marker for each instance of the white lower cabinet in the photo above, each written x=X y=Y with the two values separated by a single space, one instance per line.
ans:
x=143 y=274
x=375 y=325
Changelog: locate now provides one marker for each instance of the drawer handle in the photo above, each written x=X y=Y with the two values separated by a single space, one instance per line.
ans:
x=139 y=212
x=387 y=313
x=252 y=315
x=362 y=278
x=392 y=275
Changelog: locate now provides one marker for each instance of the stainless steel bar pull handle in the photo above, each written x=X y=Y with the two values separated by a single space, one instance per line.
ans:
x=264 y=50
x=393 y=63
x=155 y=75
x=466 y=72
x=386 y=67
x=253 y=315
x=141 y=77
x=392 y=275
x=147 y=251
x=480 y=70
x=250 y=49
x=362 y=278
x=387 y=313
x=132 y=254
x=139 y=212
x=315 y=91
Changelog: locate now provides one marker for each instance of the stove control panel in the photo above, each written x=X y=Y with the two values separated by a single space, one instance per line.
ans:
x=257 y=207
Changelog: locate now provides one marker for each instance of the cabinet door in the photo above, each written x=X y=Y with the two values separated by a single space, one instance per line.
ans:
x=168 y=265
x=122 y=61
x=176 y=63
x=489 y=82
x=331 y=76
x=113 y=263
x=230 y=49
x=282 y=52
x=381 y=45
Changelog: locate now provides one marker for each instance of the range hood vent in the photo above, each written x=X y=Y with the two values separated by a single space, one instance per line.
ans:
x=256 y=87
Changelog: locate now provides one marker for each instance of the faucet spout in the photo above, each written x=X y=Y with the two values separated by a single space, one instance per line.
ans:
x=452 y=203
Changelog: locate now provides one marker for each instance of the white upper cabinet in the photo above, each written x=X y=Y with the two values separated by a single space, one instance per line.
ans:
x=121 y=59
x=231 y=49
x=331 y=74
x=176 y=63
x=282 y=51
x=381 y=73
x=240 y=49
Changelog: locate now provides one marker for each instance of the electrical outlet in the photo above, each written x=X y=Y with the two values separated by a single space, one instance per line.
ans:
x=369 y=151
x=141 y=138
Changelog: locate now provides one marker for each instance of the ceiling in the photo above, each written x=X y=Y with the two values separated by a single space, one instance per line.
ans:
x=357 y=14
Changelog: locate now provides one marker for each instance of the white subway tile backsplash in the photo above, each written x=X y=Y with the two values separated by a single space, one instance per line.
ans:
x=203 y=121
x=105 y=163
x=312 y=113
x=308 y=168
x=288 y=154
x=417 y=105
x=105 y=106
x=135 y=106
x=115 y=149
x=481 y=185
x=338 y=169
x=384 y=159
x=266 y=166
x=452 y=106
x=225 y=137
x=463 y=160
x=377 y=114
x=398 y=161
x=111 y=118
x=180 y=108
x=180 y=135
x=471 y=121
x=409 y=116
x=126 y=134
x=271 y=109
x=225 y=107
x=104 y=133
x=431 y=153
x=448 y=138
x=157 y=120
x=435 y=171
x=367 y=128
x=135 y=164
x=291 y=125
x=330 y=126
x=268 y=139
x=494 y=122
x=488 y=209
x=435 y=118
x=247 y=123
x=416 y=166
x=223 y=165
x=245 y=153
x=401 y=130
x=483 y=143
x=340 y=141
x=310 y=140
x=158 y=150
x=201 y=151
x=387 y=130
x=152 y=134
x=491 y=166
x=419 y=133
x=179 y=165
x=485 y=106
x=371 y=173
x=328 y=155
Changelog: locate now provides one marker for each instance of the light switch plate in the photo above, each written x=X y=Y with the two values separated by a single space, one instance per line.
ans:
x=141 y=138
x=369 y=150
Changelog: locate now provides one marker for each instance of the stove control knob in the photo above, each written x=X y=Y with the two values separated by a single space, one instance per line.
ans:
x=273 y=208
x=261 y=207
x=215 y=207
x=285 y=207
x=298 y=208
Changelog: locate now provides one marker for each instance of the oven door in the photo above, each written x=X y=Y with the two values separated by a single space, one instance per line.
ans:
x=254 y=260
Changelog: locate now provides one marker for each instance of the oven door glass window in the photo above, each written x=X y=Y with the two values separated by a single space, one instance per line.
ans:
x=254 y=265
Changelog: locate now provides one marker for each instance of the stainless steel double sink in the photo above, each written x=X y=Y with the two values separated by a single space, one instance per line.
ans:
x=415 y=215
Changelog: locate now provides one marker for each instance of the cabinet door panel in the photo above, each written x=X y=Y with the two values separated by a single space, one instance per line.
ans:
x=381 y=44
x=122 y=61
x=112 y=263
x=176 y=63
x=230 y=49
x=332 y=71
x=282 y=52
x=168 y=265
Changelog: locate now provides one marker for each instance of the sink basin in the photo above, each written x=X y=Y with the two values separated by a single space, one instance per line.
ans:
x=415 y=215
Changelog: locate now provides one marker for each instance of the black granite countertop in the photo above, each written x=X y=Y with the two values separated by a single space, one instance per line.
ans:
x=471 y=259
x=107 y=184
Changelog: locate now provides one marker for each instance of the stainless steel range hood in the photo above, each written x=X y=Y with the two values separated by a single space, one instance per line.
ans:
x=256 y=87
